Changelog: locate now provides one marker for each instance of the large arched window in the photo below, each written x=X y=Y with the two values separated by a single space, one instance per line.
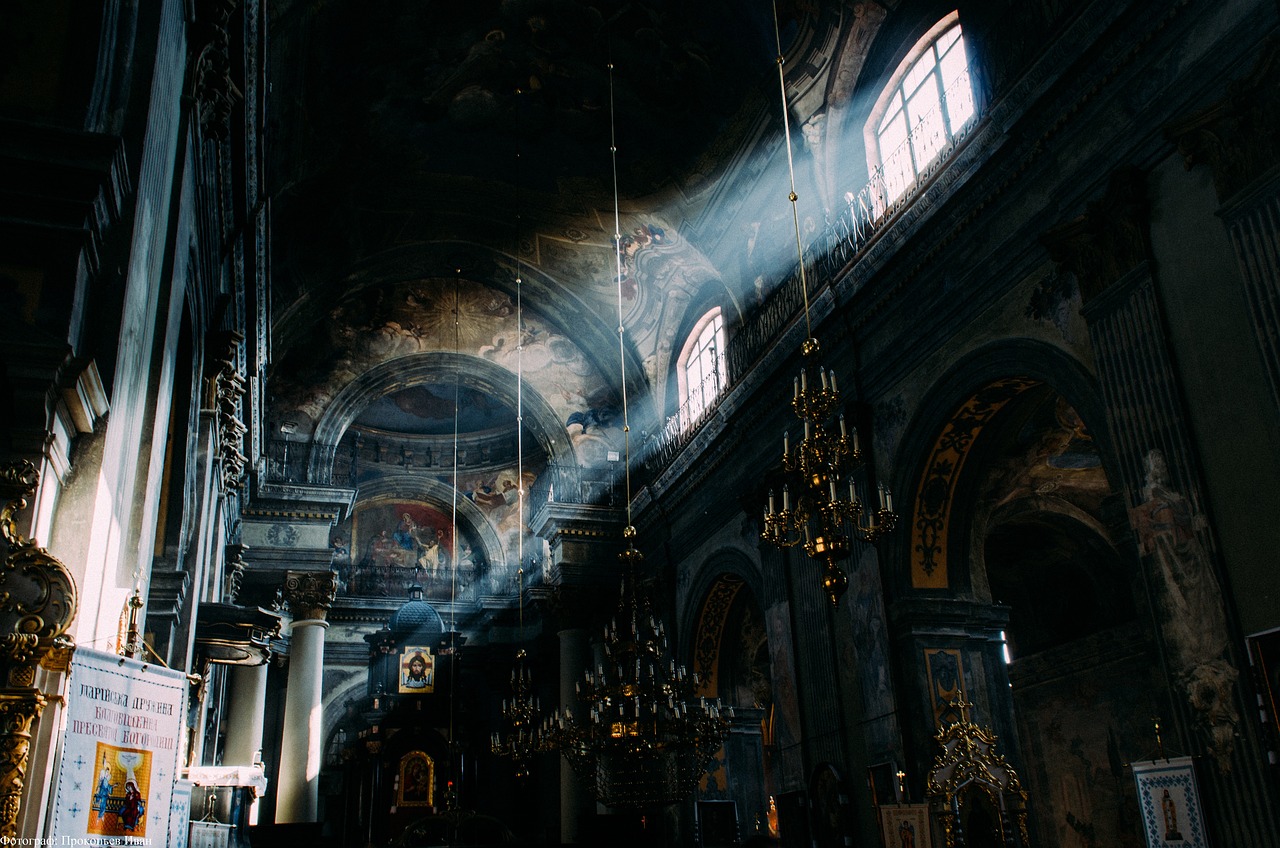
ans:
x=700 y=369
x=927 y=103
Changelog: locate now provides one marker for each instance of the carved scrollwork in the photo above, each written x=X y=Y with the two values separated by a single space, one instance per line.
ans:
x=38 y=598
x=38 y=602
x=18 y=711
x=968 y=770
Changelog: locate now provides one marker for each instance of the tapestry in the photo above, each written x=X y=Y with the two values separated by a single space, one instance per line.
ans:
x=905 y=826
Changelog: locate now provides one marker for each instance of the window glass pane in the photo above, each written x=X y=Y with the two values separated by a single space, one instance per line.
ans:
x=895 y=156
x=704 y=369
x=955 y=76
x=947 y=39
x=919 y=71
x=891 y=114
x=927 y=133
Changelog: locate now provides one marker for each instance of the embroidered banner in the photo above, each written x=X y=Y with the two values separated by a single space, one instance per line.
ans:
x=121 y=741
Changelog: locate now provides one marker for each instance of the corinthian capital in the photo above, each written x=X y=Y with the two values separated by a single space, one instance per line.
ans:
x=310 y=593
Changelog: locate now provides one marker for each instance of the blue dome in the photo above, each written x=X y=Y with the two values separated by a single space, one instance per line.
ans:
x=417 y=619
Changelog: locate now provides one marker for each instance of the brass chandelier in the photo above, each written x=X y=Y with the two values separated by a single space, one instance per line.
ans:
x=820 y=496
x=646 y=739
x=523 y=736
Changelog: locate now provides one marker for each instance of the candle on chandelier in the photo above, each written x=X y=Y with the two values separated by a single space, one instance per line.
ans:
x=770 y=511
x=786 y=499
x=804 y=381
x=822 y=373
x=844 y=432
x=795 y=384
x=832 y=372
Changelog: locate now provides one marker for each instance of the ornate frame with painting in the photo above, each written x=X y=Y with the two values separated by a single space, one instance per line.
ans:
x=1264 y=654
x=417 y=780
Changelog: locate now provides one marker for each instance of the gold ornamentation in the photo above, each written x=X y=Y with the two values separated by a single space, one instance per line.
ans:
x=969 y=764
x=18 y=711
x=38 y=602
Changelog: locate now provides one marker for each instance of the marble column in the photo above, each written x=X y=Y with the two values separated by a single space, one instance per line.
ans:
x=244 y=720
x=310 y=594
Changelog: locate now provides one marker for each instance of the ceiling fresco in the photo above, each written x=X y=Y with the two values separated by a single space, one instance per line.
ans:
x=377 y=326
x=470 y=139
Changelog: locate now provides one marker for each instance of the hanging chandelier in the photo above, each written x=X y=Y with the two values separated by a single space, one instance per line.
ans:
x=647 y=739
x=820 y=503
x=523 y=737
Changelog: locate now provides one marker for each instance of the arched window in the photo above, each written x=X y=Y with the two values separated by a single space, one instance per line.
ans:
x=927 y=103
x=700 y=369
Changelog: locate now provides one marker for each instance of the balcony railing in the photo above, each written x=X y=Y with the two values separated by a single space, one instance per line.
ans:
x=865 y=214
x=577 y=484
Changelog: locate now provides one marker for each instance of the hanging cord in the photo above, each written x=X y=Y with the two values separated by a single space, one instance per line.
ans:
x=519 y=388
x=622 y=346
x=791 y=172
x=453 y=554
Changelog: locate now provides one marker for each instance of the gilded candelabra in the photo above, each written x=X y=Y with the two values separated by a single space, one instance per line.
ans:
x=820 y=497
x=646 y=739
x=523 y=737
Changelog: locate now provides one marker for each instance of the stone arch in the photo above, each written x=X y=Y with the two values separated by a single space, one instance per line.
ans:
x=429 y=488
x=948 y=429
x=724 y=578
x=435 y=366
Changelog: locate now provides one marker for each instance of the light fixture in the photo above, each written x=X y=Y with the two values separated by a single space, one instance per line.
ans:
x=647 y=740
x=819 y=497
x=522 y=738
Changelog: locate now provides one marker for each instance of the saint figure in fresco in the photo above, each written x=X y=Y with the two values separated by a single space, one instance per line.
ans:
x=907 y=835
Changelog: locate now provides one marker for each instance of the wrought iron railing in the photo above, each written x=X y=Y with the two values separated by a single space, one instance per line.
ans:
x=578 y=484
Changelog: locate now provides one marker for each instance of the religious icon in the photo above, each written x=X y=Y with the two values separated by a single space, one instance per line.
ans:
x=118 y=796
x=417 y=670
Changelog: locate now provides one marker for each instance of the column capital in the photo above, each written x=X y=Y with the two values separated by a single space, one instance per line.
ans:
x=1239 y=136
x=1111 y=239
x=310 y=593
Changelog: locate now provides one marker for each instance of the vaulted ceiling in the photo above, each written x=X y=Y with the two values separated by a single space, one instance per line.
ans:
x=423 y=156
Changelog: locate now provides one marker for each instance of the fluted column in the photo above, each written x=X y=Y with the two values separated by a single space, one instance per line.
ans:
x=310 y=594
x=1108 y=250
x=1239 y=139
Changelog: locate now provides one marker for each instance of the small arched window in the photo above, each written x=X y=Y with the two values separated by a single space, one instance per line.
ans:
x=700 y=368
x=926 y=105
